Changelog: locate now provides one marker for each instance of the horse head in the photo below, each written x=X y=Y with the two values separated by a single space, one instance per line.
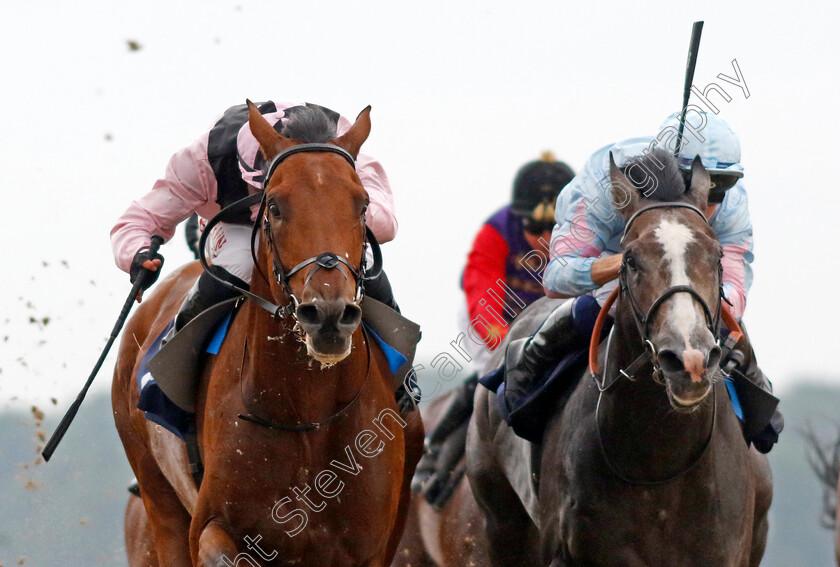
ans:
x=313 y=220
x=670 y=274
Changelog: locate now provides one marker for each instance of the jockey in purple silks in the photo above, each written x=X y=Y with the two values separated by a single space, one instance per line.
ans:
x=497 y=255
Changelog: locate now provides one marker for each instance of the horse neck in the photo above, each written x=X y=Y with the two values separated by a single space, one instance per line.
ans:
x=281 y=382
x=644 y=435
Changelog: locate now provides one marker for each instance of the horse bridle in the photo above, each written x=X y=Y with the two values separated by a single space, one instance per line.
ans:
x=324 y=260
x=643 y=319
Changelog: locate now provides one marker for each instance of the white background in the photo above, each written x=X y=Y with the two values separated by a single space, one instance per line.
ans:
x=463 y=93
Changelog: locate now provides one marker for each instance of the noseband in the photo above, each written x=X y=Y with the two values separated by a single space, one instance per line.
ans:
x=644 y=319
x=324 y=260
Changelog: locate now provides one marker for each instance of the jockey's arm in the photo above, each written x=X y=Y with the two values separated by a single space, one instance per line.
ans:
x=581 y=261
x=733 y=227
x=485 y=266
x=603 y=270
x=381 y=215
x=186 y=187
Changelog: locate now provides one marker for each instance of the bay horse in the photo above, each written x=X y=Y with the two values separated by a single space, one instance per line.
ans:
x=645 y=469
x=306 y=459
x=452 y=536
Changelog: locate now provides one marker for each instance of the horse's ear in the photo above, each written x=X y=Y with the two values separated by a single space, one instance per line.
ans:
x=700 y=183
x=271 y=142
x=625 y=197
x=353 y=139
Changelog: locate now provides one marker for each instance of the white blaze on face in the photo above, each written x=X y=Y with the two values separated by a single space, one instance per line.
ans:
x=675 y=238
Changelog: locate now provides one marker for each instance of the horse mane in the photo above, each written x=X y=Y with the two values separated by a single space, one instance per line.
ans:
x=672 y=184
x=309 y=124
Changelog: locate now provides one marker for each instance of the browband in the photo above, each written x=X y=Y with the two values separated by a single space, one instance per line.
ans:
x=658 y=206
x=278 y=159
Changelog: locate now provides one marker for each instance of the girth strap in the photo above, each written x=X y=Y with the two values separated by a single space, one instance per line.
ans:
x=194 y=456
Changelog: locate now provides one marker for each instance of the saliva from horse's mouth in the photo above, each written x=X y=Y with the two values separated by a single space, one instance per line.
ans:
x=326 y=360
x=681 y=406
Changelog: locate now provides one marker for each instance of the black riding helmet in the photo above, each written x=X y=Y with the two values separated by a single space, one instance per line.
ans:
x=535 y=190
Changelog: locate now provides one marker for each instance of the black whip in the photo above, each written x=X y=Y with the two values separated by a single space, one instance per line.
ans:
x=693 y=47
x=59 y=432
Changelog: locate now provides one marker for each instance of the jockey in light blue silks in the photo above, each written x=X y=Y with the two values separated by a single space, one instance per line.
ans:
x=586 y=253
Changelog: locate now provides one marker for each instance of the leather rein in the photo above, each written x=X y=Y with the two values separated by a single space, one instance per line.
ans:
x=642 y=321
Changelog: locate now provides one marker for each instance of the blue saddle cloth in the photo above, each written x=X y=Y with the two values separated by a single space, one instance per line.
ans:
x=395 y=358
x=157 y=407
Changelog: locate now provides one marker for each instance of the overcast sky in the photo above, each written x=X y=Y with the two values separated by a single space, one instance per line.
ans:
x=463 y=93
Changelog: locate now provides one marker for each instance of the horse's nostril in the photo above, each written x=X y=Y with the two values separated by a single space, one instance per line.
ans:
x=307 y=314
x=713 y=359
x=669 y=361
x=351 y=315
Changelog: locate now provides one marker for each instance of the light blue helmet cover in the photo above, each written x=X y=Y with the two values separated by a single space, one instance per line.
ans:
x=705 y=135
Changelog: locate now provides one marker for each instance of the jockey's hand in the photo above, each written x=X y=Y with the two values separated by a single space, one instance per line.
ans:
x=145 y=262
x=605 y=269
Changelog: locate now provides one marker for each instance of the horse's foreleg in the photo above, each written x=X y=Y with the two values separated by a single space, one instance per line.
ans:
x=763 y=497
x=414 y=434
x=165 y=516
x=512 y=536
x=139 y=543
x=169 y=524
x=412 y=551
x=216 y=547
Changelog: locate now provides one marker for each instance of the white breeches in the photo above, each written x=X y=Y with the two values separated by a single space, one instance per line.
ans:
x=229 y=247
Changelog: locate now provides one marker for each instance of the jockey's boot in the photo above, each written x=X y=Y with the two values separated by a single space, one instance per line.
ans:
x=742 y=360
x=567 y=328
x=443 y=449
x=206 y=293
x=379 y=288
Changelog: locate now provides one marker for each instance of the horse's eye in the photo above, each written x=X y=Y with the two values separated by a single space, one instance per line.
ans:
x=274 y=210
x=630 y=261
x=364 y=210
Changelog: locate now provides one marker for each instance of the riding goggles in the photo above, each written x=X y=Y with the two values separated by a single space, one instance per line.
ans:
x=720 y=183
x=536 y=228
